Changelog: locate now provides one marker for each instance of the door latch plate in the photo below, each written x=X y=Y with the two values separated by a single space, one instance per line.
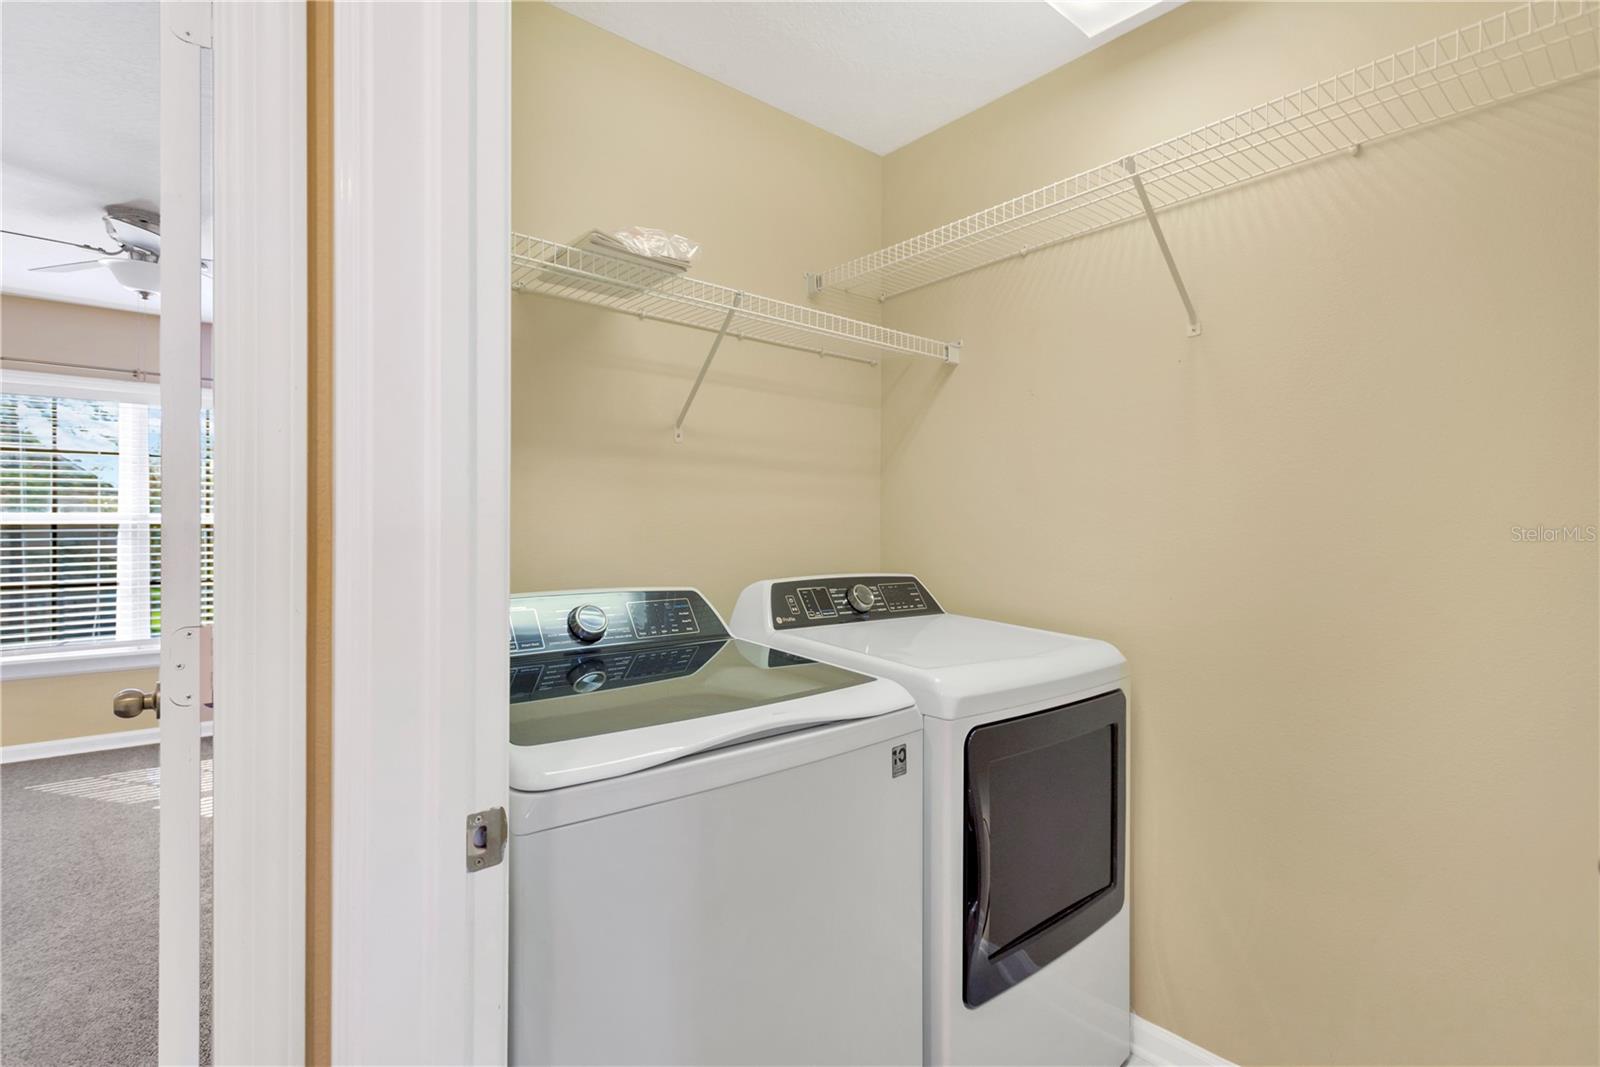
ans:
x=486 y=838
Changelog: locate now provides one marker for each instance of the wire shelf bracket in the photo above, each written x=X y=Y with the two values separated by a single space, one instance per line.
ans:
x=1161 y=242
x=716 y=343
x=1523 y=50
x=637 y=287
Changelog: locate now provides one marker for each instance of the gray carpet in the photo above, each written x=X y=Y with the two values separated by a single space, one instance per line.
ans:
x=78 y=917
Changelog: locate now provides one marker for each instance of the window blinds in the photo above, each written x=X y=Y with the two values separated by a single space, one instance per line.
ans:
x=80 y=521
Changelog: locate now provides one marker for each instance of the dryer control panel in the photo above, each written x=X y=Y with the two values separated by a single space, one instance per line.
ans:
x=849 y=598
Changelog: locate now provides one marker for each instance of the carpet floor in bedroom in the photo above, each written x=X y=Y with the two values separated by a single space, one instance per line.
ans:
x=79 y=838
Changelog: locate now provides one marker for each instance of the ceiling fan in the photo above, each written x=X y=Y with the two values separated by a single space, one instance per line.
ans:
x=135 y=262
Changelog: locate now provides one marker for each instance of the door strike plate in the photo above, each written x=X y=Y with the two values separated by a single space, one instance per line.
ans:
x=486 y=838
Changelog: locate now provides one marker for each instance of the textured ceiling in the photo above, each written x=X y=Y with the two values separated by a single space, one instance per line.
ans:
x=81 y=91
x=80 y=86
x=877 y=74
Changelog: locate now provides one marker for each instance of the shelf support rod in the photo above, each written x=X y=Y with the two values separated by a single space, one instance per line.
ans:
x=716 y=343
x=1166 y=253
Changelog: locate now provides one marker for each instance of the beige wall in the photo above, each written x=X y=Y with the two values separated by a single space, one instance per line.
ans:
x=34 y=333
x=76 y=705
x=1364 y=778
x=1365 y=717
x=46 y=336
x=779 y=469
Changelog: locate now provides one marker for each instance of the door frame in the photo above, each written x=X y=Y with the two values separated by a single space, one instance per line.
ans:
x=259 y=358
x=421 y=573
x=185 y=32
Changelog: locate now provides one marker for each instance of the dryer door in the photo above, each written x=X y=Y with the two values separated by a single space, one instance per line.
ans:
x=1045 y=809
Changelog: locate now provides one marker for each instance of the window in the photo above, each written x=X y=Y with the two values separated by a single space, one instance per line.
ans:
x=80 y=518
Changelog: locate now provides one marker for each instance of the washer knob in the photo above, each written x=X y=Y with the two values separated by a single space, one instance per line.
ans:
x=587 y=675
x=586 y=623
x=861 y=598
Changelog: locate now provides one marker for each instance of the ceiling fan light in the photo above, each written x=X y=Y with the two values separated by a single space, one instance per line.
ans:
x=140 y=275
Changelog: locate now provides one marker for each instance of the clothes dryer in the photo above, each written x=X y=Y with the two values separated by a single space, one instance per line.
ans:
x=1026 y=817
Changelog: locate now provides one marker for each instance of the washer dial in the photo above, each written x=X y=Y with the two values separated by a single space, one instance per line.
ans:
x=587 y=623
x=587 y=675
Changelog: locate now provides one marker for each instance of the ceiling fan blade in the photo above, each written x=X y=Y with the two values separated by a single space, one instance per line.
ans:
x=70 y=244
x=66 y=268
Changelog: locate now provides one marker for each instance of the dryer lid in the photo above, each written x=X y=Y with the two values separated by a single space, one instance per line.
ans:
x=937 y=642
x=955 y=666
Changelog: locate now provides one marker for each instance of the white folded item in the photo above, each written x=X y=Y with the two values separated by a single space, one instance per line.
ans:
x=621 y=274
x=668 y=251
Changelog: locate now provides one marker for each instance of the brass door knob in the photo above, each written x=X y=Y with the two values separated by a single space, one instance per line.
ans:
x=131 y=703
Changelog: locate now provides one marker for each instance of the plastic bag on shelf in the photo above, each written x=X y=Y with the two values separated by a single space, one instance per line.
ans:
x=623 y=262
x=657 y=244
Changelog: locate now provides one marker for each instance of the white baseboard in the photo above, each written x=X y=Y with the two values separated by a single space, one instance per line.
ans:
x=1158 y=1047
x=70 y=746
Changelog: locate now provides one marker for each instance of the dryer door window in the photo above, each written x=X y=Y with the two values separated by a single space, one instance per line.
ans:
x=1045 y=804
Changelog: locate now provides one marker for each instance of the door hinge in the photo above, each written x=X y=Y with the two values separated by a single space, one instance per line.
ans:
x=186 y=660
x=486 y=838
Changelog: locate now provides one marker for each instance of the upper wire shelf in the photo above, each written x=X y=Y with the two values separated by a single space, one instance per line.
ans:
x=1525 y=49
x=637 y=288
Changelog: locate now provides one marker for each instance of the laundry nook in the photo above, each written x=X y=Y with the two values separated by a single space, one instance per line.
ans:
x=782 y=533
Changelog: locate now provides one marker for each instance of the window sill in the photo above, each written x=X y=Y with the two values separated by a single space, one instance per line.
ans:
x=58 y=663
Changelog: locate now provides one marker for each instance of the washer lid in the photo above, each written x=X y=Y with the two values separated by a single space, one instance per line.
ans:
x=582 y=717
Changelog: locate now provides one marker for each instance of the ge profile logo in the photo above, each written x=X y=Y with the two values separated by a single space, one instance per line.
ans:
x=897 y=761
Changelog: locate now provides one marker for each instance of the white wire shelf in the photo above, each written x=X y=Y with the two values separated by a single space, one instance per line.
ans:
x=636 y=288
x=642 y=289
x=1523 y=50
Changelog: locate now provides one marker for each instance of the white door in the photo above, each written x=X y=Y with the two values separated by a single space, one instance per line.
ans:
x=185 y=29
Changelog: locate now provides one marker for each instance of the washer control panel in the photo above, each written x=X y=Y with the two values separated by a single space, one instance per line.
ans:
x=541 y=677
x=849 y=598
x=603 y=620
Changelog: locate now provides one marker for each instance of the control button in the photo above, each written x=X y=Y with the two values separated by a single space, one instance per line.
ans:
x=587 y=675
x=586 y=623
x=861 y=598
x=817 y=603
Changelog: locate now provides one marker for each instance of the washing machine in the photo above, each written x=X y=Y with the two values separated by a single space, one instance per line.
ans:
x=1025 y=733
x=715 y=847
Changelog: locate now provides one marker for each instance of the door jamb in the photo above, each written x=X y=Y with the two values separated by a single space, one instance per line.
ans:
x=421 y=576
x=259 y=350
x=184 y=32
